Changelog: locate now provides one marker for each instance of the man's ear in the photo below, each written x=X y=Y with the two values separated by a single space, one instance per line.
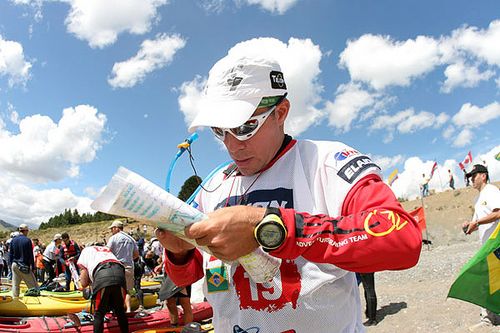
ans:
x=282 y=111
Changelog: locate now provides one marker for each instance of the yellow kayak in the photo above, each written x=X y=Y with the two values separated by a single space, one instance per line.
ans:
x=29 y=306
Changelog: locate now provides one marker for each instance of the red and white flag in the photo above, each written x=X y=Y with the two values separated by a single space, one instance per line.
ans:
x=419 y=216
x=434 y=168
x=467 y=160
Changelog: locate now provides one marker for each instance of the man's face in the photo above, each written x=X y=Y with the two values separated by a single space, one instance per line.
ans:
x=66 y=241
x=255 y=153
x=114 y=230
x=478 y=180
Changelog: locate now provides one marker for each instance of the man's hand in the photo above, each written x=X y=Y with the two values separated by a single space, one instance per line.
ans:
x=173 y=243
x=228 y=232
x=471 y=227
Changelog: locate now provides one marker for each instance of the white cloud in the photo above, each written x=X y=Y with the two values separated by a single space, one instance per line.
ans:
x=463 y=138
x=350 y=100
x=35 y=5
x=462 y=75
x=408 y=121
x=380 y=61
x=153 y=54
x=212 y=6
x=386 y=163
x=299 y=60
x=100 y=22
x=13 y=115
x=480 y=43
x=20 y=203
x=475 y=116
x=41 y=151
x=448 y=132
x=273 y=6
x=12 y=62
x=492 y=164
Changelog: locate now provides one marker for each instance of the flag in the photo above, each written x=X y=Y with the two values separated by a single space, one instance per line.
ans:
x=434 y=168
x=497 y=156
x=467 y=160
x=419 y=216
x=392 y=177
x=479 y=280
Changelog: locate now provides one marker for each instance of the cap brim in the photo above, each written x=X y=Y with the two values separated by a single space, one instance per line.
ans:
x=224 y=113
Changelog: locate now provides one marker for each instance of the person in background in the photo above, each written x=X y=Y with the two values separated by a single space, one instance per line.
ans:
x=70 y=251
x=368 y=281
x=125 y=249
x=100 y=269
x=485 y=220
x=319 y=206
x=451 y=180
x=424 y=186
x=50 y=257
x=21 y=261
x=138 y=273
x=40 y=267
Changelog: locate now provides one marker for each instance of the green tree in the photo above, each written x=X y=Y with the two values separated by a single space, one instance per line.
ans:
x=189 y=187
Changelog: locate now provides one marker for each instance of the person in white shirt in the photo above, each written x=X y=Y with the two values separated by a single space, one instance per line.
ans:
x=100 y=269
x=485 y=220
x=49 y=257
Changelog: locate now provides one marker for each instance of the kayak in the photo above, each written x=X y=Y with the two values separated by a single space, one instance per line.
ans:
x=54 y=306
x=208 y=328
x=63 y=324
x=76 y=295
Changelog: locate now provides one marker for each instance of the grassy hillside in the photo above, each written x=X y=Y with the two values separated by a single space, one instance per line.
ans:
x=88 y=232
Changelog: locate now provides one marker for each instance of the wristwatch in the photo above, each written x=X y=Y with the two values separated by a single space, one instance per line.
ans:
x=270 y=233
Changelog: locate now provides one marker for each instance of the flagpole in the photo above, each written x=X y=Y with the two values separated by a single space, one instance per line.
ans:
x=440 y=183
x=426 y=232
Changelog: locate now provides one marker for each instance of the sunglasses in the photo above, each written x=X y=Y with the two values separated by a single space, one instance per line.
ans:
x=249 y=128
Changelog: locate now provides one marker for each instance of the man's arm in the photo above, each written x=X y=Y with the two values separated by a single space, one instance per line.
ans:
x=373 y=233
x=473 y=225
x=84 y=277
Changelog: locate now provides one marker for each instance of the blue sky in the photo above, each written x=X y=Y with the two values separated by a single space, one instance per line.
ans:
x=87 y=86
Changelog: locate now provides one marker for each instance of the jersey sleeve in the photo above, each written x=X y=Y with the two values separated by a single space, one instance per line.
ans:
x=372 y=233
x=188 y=273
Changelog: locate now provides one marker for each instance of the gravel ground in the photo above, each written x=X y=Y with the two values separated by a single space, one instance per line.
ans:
x=415 y=300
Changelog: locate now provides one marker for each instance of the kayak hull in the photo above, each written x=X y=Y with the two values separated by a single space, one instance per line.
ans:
x=149 y=321
x=29 y=306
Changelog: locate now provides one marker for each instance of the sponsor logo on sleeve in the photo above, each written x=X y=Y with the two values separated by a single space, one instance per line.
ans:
x=343 y=154
x=353 y=168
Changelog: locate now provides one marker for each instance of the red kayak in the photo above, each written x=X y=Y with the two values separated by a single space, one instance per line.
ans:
x=136 y=321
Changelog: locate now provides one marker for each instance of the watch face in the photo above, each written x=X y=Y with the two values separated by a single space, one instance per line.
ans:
x=271 y=235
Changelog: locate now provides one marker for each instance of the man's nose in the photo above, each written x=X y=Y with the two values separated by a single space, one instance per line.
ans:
x=232 y=144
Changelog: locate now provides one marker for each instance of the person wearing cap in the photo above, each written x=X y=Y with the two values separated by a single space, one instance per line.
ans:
x=319 y=206
x=105 y=274
x=485 y=220
x=125 y=249
x=50 y=257
x=21 y=261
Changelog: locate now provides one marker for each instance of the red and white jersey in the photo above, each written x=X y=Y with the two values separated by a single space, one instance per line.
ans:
x=311 y=293
x=92 y=256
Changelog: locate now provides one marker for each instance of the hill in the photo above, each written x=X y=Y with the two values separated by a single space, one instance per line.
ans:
x=88 y=232
x=6 y=227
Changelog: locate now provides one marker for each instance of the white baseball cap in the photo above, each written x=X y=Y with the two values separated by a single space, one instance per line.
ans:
x=235 y=88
